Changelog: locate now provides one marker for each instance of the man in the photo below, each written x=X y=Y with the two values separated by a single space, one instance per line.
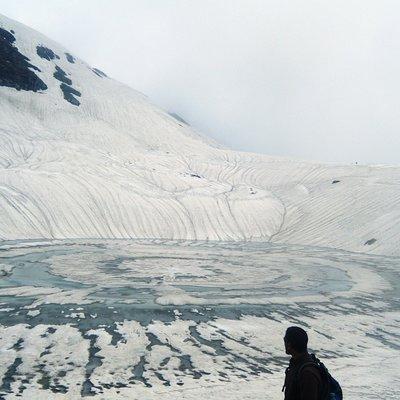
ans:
x=303 y=380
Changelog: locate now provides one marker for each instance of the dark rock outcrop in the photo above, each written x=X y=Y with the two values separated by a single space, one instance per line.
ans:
x=61 y=75
x=69 y=93
x=15 y=69
x=70 y=58
x=46 y=53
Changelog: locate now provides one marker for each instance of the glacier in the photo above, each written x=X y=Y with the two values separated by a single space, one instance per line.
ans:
x=116 y=166
x=140 y=259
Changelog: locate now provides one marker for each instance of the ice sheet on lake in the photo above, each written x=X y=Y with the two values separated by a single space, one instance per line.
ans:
x=157 y=320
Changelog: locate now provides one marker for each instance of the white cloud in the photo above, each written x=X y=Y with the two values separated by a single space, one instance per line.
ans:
x=316 y=79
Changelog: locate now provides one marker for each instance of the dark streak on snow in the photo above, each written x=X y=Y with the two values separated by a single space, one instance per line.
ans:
x=18 y=345
x=9 y=376
x=99 y=73
x=138 y=371
x=116 y=337
x=70 y=58
x=178 y=118
x=93 y=362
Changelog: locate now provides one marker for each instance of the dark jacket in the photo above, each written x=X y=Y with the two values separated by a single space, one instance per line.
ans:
x=307 y=385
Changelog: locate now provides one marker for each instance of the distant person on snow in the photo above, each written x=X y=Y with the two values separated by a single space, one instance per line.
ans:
x=303 y=380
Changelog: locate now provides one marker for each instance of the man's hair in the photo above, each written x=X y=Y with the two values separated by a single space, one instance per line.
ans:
x=297 y=337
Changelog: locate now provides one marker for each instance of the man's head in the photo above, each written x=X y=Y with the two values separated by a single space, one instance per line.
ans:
x=296 y=340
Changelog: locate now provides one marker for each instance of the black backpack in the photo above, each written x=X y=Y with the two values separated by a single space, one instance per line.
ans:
x=331 y=389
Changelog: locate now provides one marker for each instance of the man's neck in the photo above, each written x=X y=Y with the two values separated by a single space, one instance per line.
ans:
x=297 y=356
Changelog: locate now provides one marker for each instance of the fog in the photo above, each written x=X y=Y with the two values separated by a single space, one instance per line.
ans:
x=315 y=80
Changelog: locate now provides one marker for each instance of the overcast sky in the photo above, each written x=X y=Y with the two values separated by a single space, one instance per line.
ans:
x=314 y=79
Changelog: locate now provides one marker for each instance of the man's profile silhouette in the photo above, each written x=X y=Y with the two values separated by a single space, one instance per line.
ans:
x=303 y=379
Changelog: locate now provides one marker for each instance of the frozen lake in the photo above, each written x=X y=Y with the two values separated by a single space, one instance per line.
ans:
x=189 y=320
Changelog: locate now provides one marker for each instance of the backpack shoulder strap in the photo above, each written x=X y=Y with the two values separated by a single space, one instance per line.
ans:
x=313 y=367
x=305 y=365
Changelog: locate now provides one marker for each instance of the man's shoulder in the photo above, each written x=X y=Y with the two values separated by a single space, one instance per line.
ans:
x=310 y=371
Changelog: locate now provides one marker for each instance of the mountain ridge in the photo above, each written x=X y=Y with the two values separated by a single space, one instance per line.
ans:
x=89 y=157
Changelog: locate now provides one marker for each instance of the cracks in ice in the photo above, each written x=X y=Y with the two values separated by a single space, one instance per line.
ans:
x=283 y=219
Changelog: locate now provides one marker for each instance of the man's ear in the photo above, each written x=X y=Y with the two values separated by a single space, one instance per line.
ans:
x=288 y=347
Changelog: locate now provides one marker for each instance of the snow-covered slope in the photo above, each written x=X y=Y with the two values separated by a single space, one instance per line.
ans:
x=82 y=155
